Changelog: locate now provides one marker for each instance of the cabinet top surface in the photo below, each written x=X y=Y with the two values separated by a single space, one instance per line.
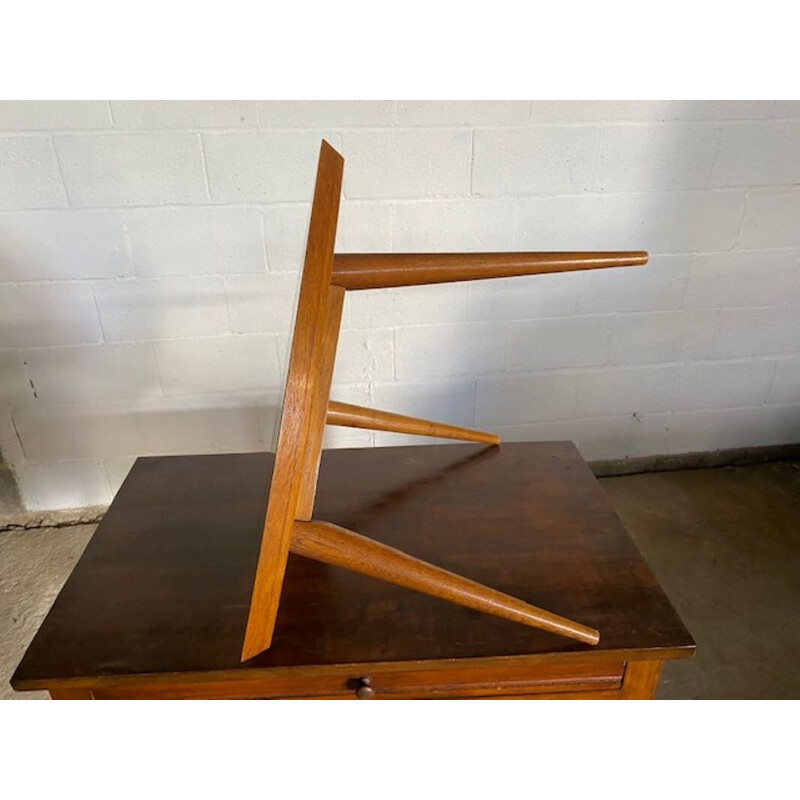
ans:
x=164 y=585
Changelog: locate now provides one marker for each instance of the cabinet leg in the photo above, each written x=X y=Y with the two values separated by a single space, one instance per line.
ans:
x=641 y=680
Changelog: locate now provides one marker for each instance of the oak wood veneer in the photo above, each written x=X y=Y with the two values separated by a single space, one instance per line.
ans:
x=307 y=408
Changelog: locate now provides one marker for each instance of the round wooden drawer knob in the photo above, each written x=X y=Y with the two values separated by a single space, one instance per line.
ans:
x=365 y=690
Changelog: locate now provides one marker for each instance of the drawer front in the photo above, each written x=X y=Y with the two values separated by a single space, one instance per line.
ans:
x=384 y=682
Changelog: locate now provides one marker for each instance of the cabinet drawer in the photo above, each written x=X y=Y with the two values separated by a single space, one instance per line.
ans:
x=388 y=682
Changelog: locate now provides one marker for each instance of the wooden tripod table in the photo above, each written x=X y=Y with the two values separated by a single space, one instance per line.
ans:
x=158 y=604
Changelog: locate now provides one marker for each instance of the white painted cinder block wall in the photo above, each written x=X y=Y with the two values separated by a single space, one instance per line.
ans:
x=149 y=255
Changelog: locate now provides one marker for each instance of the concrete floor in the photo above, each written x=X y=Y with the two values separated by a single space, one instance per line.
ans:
x=725 y=544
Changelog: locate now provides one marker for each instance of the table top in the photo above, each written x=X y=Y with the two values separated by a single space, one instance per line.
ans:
x=164 y=585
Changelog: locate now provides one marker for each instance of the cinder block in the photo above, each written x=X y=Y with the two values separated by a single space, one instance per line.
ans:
x=724 y=384
x=410 y=163
x=197 y=241
x=42 y=314
x=263 y=167
x=451 y=402
x=771 y=220
x=757 y=331
x=662 y=222
x=67 y=484
x=558 y=342
x=63 y=245
x=735 y=279
x=325 y=113
x=659 y=285
x=286 y=230
x=132 y=169
x=188 y=114
x=52 y=115
x=456 y=226
x=206 y=423
x=31 y=177
x=626 y=390
x=218 y=364
x=649 y=435
x=534 y=398
x=10 y=446
x=569 y=111
x=364 y=228
x=358 y=393
x=519 y=161
x=94 y=373
x=364 y=355
x=721 y=109
x=409 y=305
x=14 y=387
x=527 y=297
x=334 y=437
x=602 y=438
x=786 y=384
x=703 y=431
x=161 y=308
x=758 y=154
x=439 y=350
x=786 y=109
x=462 y=112
x=561 y=430
x=543 y=111
x=655 y=157
x=262 y=303
x=598 y=438
x=117 y=470
x=78 y=431
x=662 y=336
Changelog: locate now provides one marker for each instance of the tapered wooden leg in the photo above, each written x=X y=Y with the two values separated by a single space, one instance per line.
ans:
x=343 y=548
x=359 y=417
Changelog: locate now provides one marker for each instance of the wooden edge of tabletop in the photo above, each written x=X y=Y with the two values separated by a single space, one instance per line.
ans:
x=257 y=674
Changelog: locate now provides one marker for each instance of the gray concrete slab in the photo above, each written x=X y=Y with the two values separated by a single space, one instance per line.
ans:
x=725 y=545
x=33 y=567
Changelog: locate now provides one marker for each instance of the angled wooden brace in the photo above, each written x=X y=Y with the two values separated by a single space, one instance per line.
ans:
x=307 y=408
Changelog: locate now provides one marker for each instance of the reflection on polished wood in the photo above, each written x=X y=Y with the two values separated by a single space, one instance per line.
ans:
x=158 y=603
x=340 y=547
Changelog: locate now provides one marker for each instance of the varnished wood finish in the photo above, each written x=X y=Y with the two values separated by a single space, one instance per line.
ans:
x=339 y=547
x=319 y=408
x=486 y=680
x=66 y=693
x=382 y=270
x=641 y=680
x=306 y=407
x=158 y=604
x=351 y=416
x=300 y=403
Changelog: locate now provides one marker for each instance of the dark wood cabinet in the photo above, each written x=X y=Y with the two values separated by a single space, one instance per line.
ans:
x=157 y=605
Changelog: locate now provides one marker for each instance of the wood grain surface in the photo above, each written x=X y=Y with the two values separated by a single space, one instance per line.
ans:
x=164 y=585
x=302 y=415
x=381 y=270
